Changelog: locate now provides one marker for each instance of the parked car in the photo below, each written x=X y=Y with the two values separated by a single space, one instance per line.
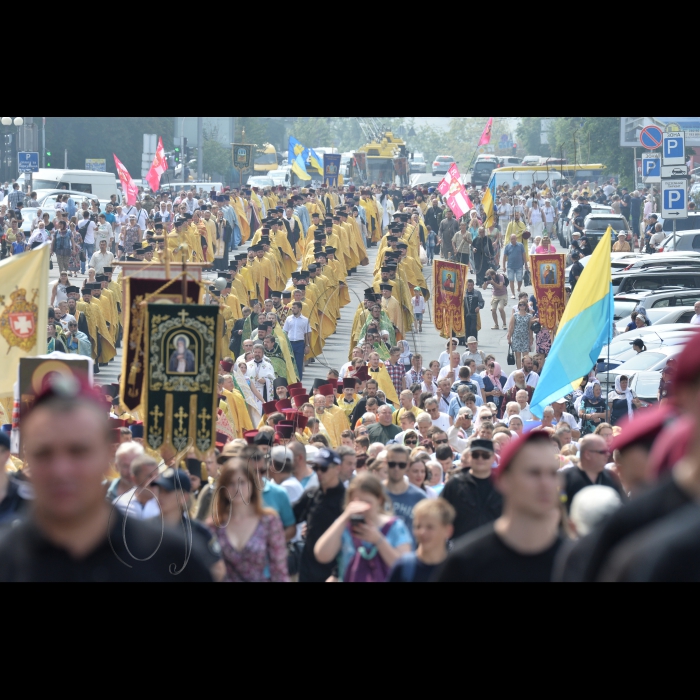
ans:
x=442 y=164
x=691 y=258
x=685 y=242
x=595 y=226
x=280 y=177
x=625 y=304
x=418 y=164
x=505 y=161
x=622 y=351
x=530 y=160
x=260 y=181
x=644 y=384
x=566 y=225
x=656 y=279
x=618 y=262
x=662 y=316
x=482 y=170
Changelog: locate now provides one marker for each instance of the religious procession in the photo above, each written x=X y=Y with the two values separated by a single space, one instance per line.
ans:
x=303 y=382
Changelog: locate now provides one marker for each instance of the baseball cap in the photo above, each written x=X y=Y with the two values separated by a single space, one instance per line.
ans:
x=173 y=479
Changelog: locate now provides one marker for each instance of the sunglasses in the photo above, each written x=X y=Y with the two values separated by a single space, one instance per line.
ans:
x=440 y=442
x=323 y=470
x=397 y=465
x=411 y=442
x=482 y=455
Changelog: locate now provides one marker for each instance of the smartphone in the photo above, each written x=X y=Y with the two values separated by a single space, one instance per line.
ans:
x=357 y=520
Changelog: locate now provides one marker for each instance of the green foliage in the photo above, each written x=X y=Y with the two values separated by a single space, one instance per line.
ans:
x=530 y=137
x=100 y=137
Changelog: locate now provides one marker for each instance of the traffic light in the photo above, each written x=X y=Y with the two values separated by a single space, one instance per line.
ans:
x=177 y=154
x=48 y=159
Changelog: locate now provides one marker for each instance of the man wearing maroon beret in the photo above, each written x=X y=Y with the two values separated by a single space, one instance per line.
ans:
x=522 y=545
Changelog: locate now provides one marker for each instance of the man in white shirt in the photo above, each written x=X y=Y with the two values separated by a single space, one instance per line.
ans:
x=86 y=228
x=659 y=237
x=531 y=377
x=695 y=321
x=101 y=259
x=104 y=231
x=461 y=431
x=298 y=330
x=560 y=417
x=474 y=353
x=522 y=398
x=440 y=420
x=135 y=503
x=357 y=354
x=452 y=370
x=550 y=216
x=191 y=203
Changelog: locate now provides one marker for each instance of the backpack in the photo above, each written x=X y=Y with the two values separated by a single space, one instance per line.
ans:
x=367 y=567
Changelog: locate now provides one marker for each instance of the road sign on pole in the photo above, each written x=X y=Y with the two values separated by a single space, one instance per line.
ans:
x=651 y=167
x=674 y=199
x=28 y=162
x=674 y=148
x=669 y=172
x=651 y=137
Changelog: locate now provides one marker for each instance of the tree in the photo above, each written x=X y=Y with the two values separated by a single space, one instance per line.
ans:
x=100 y=137
x=530 y=136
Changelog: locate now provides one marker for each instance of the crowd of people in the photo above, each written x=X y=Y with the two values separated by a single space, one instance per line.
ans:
x=394 y=467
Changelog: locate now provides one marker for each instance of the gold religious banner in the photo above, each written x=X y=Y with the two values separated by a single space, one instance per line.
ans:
x=180 y=393
x=448 y=297
x=548 y=279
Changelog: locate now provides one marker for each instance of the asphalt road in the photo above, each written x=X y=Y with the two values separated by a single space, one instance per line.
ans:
x=335 y=353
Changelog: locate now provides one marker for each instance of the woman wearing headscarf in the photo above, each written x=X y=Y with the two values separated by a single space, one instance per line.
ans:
x=622 y=402
x=494 y=382
x=592 y=409
x=516 y=425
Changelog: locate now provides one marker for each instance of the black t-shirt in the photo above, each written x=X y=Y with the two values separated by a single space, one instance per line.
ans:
x=575 y=273
x=476 y=501
x=576 y=480
x=15 y=503
x=484 y=557
x=565 y=209
x=666 y=552
x=410 y=569
x=641 y=512
x=319 y=510
x=26 y=555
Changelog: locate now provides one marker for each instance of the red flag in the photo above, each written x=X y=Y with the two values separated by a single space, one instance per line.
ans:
x=486 y=136
x=160 y=165
x=128 y=187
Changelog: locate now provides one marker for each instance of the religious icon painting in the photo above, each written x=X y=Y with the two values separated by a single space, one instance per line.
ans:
x=180 y=392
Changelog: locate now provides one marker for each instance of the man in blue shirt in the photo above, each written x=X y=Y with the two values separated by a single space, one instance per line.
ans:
x=404 y=496
x=515 y=259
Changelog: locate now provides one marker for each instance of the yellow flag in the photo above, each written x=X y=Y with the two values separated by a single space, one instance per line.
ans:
x=24 y=304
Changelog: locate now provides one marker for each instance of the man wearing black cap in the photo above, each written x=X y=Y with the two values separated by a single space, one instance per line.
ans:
x=472 y=493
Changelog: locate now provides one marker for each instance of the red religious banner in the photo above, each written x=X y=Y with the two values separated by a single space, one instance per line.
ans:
x=450 y=285
x=548 y=278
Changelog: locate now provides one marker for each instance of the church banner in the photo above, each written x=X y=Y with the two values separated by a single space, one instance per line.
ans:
x=180 y=394
x=548 y=279
x=448 y=298
x=137 y=291
x=331 y=168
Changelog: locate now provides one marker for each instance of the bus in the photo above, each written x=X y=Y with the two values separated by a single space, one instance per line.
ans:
x=529 y=175
x=266 y=159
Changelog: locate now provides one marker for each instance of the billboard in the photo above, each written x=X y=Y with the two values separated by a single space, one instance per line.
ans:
x=97 y=164
x=631 y=127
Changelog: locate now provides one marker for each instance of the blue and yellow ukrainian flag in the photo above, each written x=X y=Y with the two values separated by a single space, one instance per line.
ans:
x=489 y=203
x=586 y=326
x=297 y=159
x=314 y=161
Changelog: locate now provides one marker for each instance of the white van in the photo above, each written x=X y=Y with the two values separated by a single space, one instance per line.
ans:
x=101 y=185
x=524 y=177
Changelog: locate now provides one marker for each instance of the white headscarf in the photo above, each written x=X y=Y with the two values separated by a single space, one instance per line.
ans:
x=627 y=394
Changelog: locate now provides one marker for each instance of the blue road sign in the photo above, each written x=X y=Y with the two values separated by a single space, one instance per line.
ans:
x=28 y=162
x=651 y=137
x=674 y=199
x=651 y=166
x=674 y=148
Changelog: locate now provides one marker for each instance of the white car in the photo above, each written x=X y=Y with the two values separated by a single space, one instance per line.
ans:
x=280 y=177
x=662 y=316
x=260 y=181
